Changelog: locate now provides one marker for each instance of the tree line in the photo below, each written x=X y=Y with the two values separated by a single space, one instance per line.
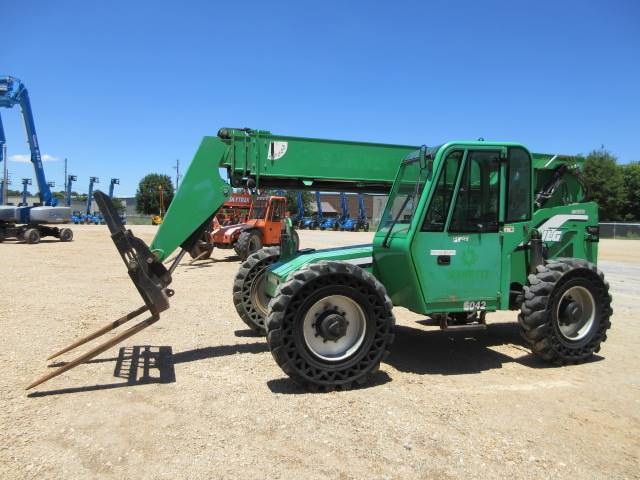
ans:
x=614 y=187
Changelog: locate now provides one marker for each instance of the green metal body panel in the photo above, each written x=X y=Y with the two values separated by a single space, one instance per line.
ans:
x=271 y=161
x=483 y=266
x=360 y=255
x=311 y=163
x=201 y=193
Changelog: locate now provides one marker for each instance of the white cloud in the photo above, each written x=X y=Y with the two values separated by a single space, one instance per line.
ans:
x=24 y=158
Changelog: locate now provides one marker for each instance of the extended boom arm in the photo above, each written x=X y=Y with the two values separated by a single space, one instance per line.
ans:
x=252 y=159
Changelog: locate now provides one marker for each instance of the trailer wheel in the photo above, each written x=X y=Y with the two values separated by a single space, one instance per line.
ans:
x=330 y=325
x=248 y=242
x=66 y=235
x=249 y=295
x=566 y=311
x=32 y=236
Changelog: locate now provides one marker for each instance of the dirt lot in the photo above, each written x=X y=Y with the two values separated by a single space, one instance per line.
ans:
x=213 y=403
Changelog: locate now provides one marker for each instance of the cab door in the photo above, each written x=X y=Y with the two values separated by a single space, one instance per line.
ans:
x=277 y=208
x=457 y=251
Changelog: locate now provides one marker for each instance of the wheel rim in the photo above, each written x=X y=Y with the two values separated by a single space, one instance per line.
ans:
x=576 y=313
x=349 y=335
x=259 y=297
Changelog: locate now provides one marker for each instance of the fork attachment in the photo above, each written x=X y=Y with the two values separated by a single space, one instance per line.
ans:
x=149 y=275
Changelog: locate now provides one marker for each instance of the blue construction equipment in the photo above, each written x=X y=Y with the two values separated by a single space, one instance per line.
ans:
x=91 y=218
x=25 y=191
x=114 y=181
x=334 y=223
x=12 y=93
x=92 y=181
x=23 y=222
x=298 y=218
x=314 y=221
x=360 y=223
x=70 y=180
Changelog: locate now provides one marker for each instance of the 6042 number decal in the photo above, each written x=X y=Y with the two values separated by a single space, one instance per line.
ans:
x=472 y=306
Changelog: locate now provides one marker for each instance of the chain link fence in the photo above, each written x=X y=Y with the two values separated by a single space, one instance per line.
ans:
x=618 y=230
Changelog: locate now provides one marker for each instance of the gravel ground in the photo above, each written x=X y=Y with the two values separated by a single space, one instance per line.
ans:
x=212 y=403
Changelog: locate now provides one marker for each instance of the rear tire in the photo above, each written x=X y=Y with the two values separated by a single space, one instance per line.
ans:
x=296 y=239
x=66 y=235
x=355 y=334
x=566 y=311
x=249 y=297
x=32 y=236
x=248 y=242
x=201 y=248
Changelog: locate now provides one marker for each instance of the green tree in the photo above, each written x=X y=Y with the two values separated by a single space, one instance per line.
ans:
x=119 y=204
x=631 y=178
x=605 y=184
x=148 y=193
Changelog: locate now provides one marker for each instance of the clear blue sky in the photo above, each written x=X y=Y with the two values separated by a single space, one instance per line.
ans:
x=123 y=88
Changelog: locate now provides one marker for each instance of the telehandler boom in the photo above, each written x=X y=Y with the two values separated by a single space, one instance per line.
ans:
x=468 y=228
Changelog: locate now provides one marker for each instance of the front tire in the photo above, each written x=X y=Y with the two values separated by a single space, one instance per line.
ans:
x=248 y=242
x=566 y=311
x=66 y=234
x=249 y=297
x=32 y=236
x=330 y=325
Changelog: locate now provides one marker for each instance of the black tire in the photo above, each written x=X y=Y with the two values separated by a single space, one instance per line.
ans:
x=296 y=239
x=248 y=242
x=65 y=235
x=201 y=250
x=32 y=236
x=291 y=306
x=546 y=297
x=248 y=296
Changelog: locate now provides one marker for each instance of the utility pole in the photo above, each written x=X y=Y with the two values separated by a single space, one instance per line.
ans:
x=177 y=169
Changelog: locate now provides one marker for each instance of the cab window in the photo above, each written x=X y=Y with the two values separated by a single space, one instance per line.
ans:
x=441 y=200
x=277 y=210
x=477 y=204
x=519 y=182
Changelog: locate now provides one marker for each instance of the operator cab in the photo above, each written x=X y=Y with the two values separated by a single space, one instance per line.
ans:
x=444 y=225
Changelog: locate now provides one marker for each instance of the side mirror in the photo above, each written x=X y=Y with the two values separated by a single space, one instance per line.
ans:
x=426 y=160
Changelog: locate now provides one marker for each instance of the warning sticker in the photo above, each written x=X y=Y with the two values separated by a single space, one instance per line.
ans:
x=277 y=150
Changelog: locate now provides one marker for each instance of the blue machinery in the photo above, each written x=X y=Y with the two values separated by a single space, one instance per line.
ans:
x=25 y=185
x=342 y=222
x=12 y=93
x=299 y=217
x=355 y=224
x=314 y=221
x=334 y=223
x=92 y=181
x=114 y=182
x=28 y=223
x=70 y=180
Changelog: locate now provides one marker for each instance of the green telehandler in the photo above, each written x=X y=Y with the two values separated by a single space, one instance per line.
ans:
x=468 y=228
